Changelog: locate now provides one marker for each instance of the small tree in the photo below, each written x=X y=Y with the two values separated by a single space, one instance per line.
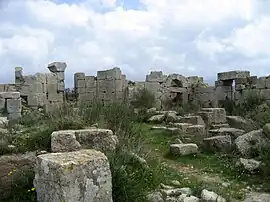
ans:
x=143 y=99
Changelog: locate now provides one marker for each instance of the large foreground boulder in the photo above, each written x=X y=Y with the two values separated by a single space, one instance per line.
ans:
x=93 y=138
x=250 y=143
x=73 y=176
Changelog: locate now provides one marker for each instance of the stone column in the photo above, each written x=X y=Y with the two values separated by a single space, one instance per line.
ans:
x=18 y=75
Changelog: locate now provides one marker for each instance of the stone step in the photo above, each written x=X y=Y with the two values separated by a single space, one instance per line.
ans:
x=233 y=132
x=195 y=120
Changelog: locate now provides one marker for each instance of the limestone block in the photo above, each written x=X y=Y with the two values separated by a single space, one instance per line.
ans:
x=114 y=73
x=183 y=149
x=93 y=138
x=32 y=100
x=198 y=130
x=14 y=116
x=195 y=120
x=154 y=76
x=29 y=79
x=91 y=90
x=60 y=76
x=213 y=115
x=57 y=67
x=101 y=75
x=265 y=93
x=81 y=90
x=81 y=83
x=41 y=77
x=2 y=104
x=56 y=97
x=267 y=82
x=232 y=132
x=79 y=75
x=90 y=81
x=218 y=143
x=205 y=90
x=152 y=86
x=2 y=87
x=10 y=95
x=73 y=176
x=119 y=85
x=14 y=105
x=177 y=89
x=60 y=86
x=44 y=88
x=261 y=83
x=51 y=78
x=231 y=75
x=24 y=89
x=36 y=88
x=101 y=85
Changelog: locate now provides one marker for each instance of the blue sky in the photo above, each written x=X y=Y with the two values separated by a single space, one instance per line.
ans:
x=189 y=37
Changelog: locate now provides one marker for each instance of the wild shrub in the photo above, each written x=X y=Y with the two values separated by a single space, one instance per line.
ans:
x=143 y=98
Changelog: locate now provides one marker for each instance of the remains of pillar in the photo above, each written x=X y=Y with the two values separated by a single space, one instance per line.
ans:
x=73 y=176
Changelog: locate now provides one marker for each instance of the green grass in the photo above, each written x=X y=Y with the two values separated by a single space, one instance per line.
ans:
x=207 y=163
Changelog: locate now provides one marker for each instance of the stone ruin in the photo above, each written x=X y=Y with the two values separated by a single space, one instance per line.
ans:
x=48 y=89
x=107 y=87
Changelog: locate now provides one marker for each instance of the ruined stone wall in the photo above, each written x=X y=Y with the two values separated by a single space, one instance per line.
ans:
x=173 y=88
x=42 y=89
x=107 y=87
x=10 y=105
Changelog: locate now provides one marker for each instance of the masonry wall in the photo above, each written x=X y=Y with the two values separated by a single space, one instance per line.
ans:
x=10 y=105
x=107 y=87
x=42 y=89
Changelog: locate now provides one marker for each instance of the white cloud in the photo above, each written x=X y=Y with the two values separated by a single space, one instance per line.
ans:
x=166 y=35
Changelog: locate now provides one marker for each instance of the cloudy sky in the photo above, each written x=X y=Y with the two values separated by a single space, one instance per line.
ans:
x=190 y=37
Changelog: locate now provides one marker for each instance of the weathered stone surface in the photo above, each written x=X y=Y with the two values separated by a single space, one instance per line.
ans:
x=14 y=105
x=266 y=130
x=249 y=164
x=198 y=130
x=218 y=143
x=213 y=115
x=182 y=126
x=3 y=122
x=10 y=167
x=57 y=67
x=209 y=196
x=92 y=138
x=217 y=126
x=73 y=176
x=257 y=197
x=155 y=197
x=241 y=123
x=183 y=149
x=10 y=95
x=231 y=75
x=195 y=120
x=249 y=143
x=2 y=104
x=233 y=132
x=157 y=118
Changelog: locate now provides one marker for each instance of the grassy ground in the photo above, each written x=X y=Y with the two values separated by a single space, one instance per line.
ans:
x=211 y=171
